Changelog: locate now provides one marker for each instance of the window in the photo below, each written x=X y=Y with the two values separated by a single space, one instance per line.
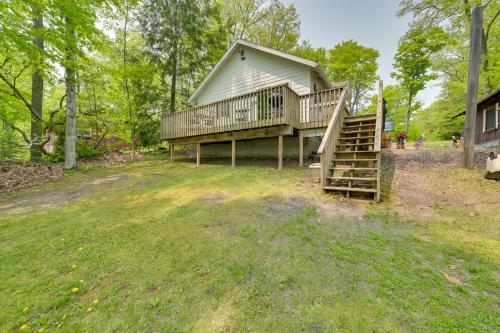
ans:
x=490 y=121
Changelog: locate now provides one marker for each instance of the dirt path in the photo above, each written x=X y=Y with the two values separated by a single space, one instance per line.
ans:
x=54 y=198
x=422 y=182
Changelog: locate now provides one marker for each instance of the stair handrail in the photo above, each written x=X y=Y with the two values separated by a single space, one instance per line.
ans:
x=379 y=118
x=332 y=133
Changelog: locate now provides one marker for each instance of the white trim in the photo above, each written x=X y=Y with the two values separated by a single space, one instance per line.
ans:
x=241 y=42
x=496 y=118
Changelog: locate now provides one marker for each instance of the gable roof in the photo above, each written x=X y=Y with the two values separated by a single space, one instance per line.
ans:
x=241 y=42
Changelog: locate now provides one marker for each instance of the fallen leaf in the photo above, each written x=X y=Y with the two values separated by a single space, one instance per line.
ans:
x=452 y=279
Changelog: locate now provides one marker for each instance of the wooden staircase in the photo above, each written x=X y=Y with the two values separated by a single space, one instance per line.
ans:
x=350 y=150
x=354 y=168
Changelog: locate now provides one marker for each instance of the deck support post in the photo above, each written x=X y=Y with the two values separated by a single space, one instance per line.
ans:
x=198 y=154
x=280 y=152
x=301 y=149
x=233 y=153
x=171 y=153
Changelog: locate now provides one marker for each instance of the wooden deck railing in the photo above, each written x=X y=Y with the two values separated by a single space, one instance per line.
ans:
x=327 y=146
x=277 y=105
x=268 y=107
x=317 y=108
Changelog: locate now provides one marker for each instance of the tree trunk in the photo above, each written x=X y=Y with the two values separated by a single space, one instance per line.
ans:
x=127 y=90
x=70 y=78
x=174 y=55
x=486 y=65
x=472 y=85
x=37 y=92
x=408 y=113
x=173 y=82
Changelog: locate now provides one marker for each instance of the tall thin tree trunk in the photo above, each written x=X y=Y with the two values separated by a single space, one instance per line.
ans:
x=37 y=91
x=174 y=55
x=173 y=83
x=472 y=85
x=125 y=74
x=486 y=65
x=70 y=78
x=408 y=113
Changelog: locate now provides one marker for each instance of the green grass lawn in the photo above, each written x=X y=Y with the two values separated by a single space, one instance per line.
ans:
x=171 y=247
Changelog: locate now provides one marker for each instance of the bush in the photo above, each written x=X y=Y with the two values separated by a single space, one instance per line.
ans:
x=84 y=150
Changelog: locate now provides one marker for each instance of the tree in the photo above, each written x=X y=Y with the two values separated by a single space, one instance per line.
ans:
x=75 y=30
x=454 y=18
x=22 y=64
x=180 y=38
x=37 y=86
x=350 y=61
x=413 y=63
x=305 y=50
x=270 y=23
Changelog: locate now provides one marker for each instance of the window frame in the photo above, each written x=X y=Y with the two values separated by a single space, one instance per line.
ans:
x=486 y=110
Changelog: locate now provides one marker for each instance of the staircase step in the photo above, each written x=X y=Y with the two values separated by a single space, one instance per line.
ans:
x=355 y=144
x=353 y=168
x=350 y=189
x=352 y=178
x=361 y=131
x=360 y=120
x=357 y=138
x=366 y=126
x=354 y=160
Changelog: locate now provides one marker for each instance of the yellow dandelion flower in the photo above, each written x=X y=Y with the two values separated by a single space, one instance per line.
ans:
x=41 y=330
x=90 y=309
x=96 y=301
x=75 y=290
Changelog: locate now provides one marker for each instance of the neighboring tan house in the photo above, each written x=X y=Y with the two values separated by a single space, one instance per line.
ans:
x=488 y=121
x=261 y=102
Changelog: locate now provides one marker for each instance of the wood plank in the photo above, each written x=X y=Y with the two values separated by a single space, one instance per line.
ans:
x=255 y=133
x=352 y=189
x=352 y=178
x=198 y=154
x=301 y=149
x=280 y=152
x=233 y=153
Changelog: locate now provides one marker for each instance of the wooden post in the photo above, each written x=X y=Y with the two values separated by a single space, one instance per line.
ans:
x=301 y=149
x=474 y=62
x=198 y=154
x=233 y=153
x=280 y=152
x=171 y=153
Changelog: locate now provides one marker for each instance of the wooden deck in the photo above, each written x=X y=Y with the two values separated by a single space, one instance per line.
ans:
x=275 y=106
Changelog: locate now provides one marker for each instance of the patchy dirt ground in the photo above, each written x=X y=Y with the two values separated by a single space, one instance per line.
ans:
x=420 y=183
x=57 y=197
x=416 y=184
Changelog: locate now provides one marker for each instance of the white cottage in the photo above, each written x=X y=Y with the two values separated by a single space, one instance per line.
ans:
x=247 y=67
x=261 y=102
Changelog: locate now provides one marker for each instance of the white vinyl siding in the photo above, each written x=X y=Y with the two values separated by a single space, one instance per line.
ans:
x=258 y=70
